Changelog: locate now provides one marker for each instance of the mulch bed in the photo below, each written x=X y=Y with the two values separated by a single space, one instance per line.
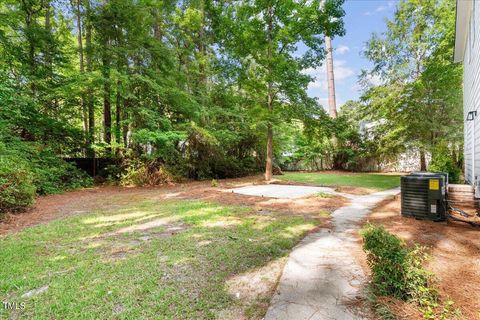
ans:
x=455 y=257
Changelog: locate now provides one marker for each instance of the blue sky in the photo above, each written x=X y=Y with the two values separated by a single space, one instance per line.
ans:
x=362 y=18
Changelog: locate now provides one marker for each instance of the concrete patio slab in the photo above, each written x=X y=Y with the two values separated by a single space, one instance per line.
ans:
x=280 y=191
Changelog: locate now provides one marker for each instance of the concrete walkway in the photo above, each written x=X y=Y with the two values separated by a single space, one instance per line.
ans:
x=321 y=275
x=281 y=191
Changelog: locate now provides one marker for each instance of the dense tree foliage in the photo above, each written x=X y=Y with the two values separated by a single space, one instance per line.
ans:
x=411 y=100
x=418 y=103
x=270 y=65
x=195 y=88
x=210 y=89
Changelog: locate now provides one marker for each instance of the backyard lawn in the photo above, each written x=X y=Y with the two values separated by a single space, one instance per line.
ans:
x=189 y=251
x=374 y=181
x=154 y=259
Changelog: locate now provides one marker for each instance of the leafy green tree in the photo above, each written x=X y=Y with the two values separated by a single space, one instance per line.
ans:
x=418 y=103
x=167 y=84
x=271 y=67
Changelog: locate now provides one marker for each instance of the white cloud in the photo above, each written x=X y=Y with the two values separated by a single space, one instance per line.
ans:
x=340 y=70
x=319 y=78
x=342 y=49
x=324 y=102
x=389 y=5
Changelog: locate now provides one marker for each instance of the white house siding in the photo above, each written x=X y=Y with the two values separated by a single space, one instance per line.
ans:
x=471 y=97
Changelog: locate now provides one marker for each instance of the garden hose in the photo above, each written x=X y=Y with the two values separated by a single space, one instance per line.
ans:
x=463 y=214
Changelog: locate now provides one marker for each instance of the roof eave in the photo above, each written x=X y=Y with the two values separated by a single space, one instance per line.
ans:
x=463 y=10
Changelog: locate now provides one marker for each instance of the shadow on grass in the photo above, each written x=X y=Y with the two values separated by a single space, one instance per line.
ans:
x=132 y=263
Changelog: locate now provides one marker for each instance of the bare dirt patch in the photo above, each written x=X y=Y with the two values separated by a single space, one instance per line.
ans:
x=349 y=173
x=310 y=206
x=52 y=207
x=359 y=191
x=455 y=257
x=253 y=290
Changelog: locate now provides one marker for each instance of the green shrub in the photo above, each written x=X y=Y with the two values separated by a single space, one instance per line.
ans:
x=28 y=168
x=54 y=175
x=17 y=191
x=396 y=269
x=149 y=173
x=216 y=154
x=442 y=161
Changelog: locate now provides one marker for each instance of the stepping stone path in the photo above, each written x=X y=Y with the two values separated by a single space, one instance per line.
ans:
x=321 y=276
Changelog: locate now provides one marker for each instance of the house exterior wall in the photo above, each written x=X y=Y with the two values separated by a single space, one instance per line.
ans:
x=471 y=95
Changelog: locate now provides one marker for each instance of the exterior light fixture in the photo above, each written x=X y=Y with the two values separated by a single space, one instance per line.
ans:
x=471 y=115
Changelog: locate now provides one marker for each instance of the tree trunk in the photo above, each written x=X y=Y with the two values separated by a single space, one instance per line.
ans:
x=107 y=114
x=332 y=104
x=31 y=45
x=79 y=36
x=30 y=20
x=423 y=161
x=48 y=51
x=48 y=47
x=269 y=160
x=202 y=44
x=125 y=123
x=460 y=162
x=157 y=32
x=118 y=115
x=82 y=71
x=89 y=96
x=107 y=108
x=268 y=166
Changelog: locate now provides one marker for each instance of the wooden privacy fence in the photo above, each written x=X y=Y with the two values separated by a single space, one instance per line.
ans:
x=92 y=166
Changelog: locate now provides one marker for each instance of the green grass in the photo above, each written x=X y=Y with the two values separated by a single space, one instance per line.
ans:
x=324 y=195
x=364 y=180
x=95 y=272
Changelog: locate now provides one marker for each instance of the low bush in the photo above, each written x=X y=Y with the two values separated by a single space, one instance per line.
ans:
x=28 y=169
x=54 y=175
x=144 y=173
x=17 y=190
x=397 y=271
